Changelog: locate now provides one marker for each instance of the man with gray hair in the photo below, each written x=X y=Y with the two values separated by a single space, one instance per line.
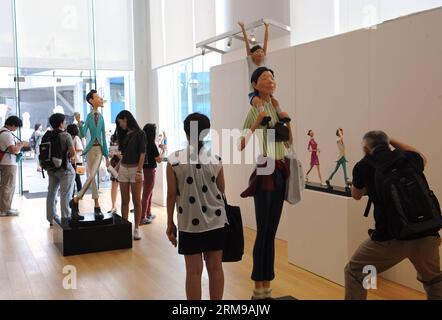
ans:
x=375 y=176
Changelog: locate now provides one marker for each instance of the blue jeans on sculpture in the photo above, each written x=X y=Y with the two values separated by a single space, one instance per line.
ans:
x=63 y=181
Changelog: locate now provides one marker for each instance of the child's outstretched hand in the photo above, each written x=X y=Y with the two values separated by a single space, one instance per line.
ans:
x=241 y=24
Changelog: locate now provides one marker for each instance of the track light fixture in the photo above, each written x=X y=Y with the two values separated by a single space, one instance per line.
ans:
x=229 y=43
x=252 y=36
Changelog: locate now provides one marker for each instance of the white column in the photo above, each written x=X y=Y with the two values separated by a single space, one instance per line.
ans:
x=146 y=108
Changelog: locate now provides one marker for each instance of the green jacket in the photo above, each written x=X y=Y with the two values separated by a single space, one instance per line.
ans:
x=96 y=133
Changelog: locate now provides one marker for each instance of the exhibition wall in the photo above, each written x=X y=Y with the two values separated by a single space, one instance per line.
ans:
x=388 y=77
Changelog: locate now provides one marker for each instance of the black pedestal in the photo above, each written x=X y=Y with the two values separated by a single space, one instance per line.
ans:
x=288 y=298
x=89 y=221
x=89 y=236
x=346 y=192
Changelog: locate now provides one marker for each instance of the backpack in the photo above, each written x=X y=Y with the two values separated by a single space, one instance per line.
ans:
x=52 y=157
x=411 y=208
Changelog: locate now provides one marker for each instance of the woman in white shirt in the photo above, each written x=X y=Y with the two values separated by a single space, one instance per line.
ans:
x=195 y=184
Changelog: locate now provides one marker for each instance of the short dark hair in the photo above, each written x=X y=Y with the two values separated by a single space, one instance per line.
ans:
x=256 y=48
x=37 y=126
x=203 y=125
x=56 y=120
x=376 y=139
x=90 y=96
x=14 y=121
x=258 y=72
x=338 y=131
x=72 y=129
x=309 y=132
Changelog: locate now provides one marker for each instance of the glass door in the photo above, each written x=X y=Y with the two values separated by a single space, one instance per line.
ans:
x=42 y=93
x=55 y=47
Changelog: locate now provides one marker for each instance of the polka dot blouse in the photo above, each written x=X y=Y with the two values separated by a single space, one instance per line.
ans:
x=199 y=202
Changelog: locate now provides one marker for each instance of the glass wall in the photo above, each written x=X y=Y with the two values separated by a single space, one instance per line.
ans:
x=52 y=52
x=184 y=88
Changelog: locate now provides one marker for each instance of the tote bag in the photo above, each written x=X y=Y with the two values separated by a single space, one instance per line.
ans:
x=296 y=181
x=234 y=241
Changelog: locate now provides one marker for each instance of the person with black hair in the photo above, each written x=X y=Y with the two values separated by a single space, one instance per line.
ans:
x=78 y=146
x=267 y=188
x=195 y=185
x=10 y=148
x=256 y=55
x=61 y=179
x=95 y=150
x=256 y=58
x=153 y=157
x=132 y=144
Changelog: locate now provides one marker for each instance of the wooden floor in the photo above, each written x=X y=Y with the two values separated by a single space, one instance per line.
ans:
x=31 y=267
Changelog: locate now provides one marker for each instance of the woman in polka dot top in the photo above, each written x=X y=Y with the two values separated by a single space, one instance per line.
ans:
x=195 y=182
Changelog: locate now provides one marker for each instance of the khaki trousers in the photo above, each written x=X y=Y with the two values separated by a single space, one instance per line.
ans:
x=8 y=178
x=423 y=254
x=94 y=158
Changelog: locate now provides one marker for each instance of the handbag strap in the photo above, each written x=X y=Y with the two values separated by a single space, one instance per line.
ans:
x=224 y=198
x=8 y=131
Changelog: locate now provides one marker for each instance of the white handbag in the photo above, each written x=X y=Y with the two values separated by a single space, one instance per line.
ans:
x=295 y=183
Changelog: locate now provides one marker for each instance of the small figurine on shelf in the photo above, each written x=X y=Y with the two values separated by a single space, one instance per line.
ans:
x=314 y=162
x=164 y=143
x=341 y=161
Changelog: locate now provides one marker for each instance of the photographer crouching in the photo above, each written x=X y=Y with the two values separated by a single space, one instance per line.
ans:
x=406 y=212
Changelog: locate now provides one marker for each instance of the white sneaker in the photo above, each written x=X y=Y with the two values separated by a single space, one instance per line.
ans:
x=137 y=234
x=12 y=213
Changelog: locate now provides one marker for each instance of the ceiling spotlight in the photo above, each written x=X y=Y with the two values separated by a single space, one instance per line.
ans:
x=229 y=43
x=252 y=36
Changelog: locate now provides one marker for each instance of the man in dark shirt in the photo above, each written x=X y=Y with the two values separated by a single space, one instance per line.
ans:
x=382 y=250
